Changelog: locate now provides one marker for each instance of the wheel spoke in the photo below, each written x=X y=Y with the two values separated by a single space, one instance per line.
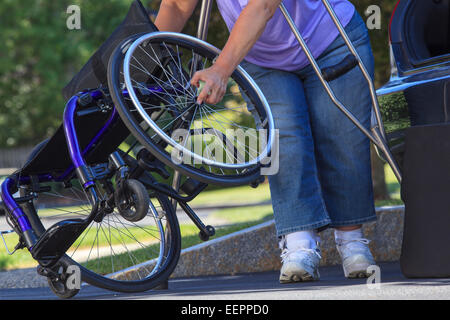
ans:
x=223 y=157
x=112 y=244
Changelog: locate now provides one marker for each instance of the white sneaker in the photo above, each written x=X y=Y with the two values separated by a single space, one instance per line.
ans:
x=300 y=262
x=356 y=257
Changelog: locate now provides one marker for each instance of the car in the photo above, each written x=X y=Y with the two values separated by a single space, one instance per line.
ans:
x=418 y=92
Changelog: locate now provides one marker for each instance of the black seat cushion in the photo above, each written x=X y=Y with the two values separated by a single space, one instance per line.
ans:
x=52 y=155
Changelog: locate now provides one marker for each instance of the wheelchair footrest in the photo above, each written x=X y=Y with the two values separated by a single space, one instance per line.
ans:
x=2 y=233
x=54 y=243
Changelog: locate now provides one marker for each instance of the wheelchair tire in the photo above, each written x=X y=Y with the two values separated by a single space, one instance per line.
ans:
x=160 y=144
x=171 y=255
x=140 y=275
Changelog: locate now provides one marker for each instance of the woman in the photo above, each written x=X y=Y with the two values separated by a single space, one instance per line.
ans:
x=324 y=178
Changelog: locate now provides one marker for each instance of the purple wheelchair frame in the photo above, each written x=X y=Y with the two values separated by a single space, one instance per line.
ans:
x=79 y=166
x=87 y=179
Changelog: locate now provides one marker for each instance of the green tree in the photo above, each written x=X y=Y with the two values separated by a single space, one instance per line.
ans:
x=379 y=37
x=38 y=57
x=380 y=46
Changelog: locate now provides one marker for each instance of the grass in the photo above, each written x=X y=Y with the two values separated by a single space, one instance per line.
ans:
x=393 y=188
x=245 y=215
x=246 y=194
x=238 y=219
x=234 y=196
x=20 y=259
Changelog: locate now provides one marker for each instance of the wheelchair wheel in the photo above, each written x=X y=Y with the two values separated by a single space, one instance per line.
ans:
x=115 y=253
x=225 y=144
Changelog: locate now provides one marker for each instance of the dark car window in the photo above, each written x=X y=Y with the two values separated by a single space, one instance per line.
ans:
x=436 y=29
x=428 y=28
x=421 y=32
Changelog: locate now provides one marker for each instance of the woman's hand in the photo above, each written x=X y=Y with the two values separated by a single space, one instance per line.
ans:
x=216 y=81
x=246 y=31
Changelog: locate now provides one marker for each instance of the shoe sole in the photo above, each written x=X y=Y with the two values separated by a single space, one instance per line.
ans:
x=357 y=275
x=358 y=272
x=298 y=277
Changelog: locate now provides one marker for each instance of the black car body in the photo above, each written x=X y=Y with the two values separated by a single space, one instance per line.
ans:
x=418 y=92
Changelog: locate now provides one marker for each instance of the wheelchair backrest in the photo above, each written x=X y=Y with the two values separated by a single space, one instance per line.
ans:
x=94 y=72
x=52 y=155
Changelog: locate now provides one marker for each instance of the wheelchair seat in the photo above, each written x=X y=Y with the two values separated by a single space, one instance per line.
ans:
x=52 y=155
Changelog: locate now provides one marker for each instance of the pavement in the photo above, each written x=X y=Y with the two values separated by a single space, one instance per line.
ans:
x=265 y=287
x=256 y=286
x=203 y=212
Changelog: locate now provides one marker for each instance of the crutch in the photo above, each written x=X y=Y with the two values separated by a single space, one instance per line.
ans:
x=376 y=134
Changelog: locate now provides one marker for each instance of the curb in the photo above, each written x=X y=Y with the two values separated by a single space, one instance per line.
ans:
x=251 y=250
x=256 y=249
x=228 y=206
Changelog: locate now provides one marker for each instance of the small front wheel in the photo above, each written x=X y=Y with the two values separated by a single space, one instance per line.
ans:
x=64 y=285
x=132 y=200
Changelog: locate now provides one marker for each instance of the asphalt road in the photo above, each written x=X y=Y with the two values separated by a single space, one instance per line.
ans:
x=265 y=286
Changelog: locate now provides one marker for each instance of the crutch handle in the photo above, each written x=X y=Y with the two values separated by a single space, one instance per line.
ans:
x=334 y=72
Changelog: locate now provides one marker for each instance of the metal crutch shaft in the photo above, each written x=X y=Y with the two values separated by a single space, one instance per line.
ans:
x=379 y=138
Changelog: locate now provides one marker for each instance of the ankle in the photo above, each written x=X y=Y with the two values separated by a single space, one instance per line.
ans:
x=349 y=228
x=302 y=239
x=348 y=235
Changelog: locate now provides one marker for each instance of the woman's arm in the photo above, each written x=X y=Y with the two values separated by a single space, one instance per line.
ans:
x=173 y=14
x=246 y=31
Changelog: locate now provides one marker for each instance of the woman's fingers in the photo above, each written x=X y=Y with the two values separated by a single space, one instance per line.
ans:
x=205 y=93
x=213 y=89
x=216 y=95
x=195 y=81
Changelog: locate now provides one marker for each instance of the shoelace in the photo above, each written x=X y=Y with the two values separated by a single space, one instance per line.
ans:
x=342 y=242
x=286 y=253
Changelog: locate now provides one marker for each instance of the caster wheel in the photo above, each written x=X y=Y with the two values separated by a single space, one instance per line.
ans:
x=132 y=200
x=58 y=283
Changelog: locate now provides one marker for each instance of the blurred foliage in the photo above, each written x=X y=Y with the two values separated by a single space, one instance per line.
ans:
x=39 y=56
x=394 y=106
x=395 y=112
x=379 y=37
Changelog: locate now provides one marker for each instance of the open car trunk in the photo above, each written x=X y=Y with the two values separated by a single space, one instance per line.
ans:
x=420 y=33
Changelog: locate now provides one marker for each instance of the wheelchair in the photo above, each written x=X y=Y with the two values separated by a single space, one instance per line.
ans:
x=97 y=194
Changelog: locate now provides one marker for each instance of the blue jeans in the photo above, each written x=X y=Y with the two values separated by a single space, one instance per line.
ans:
x=324 y=178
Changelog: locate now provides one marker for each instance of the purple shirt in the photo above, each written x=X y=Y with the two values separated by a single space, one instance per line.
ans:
x=277 y=48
